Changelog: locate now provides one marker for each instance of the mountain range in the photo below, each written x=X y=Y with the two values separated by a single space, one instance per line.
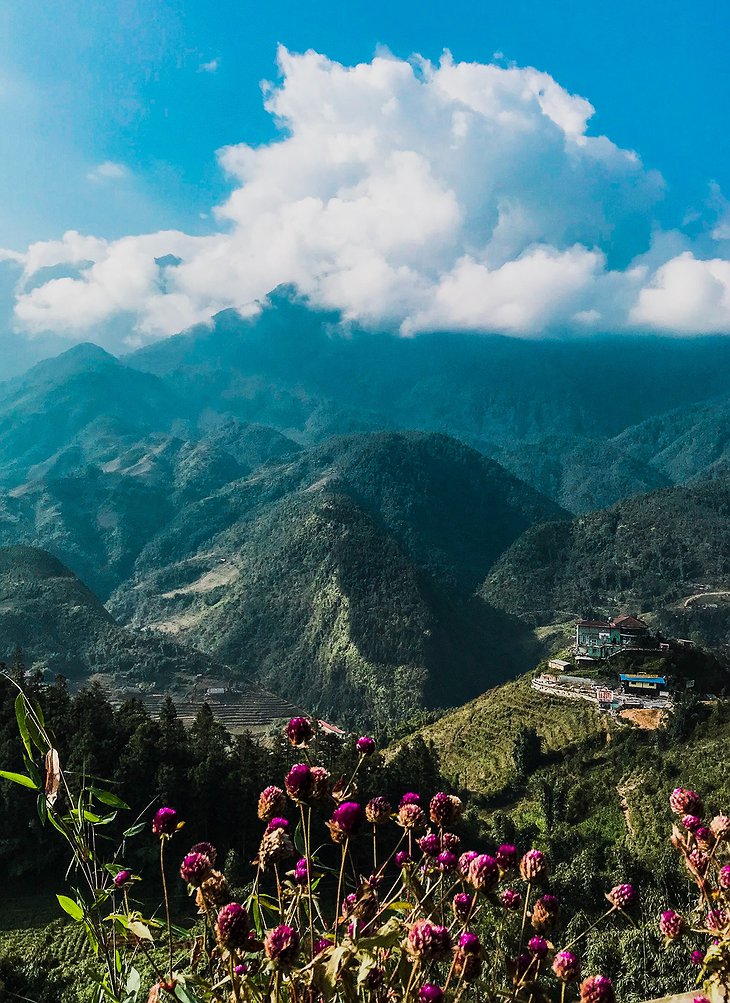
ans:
x=367 y=525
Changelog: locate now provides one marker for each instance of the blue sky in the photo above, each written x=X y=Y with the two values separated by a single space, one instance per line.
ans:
x=113 y=113
x=86 y=82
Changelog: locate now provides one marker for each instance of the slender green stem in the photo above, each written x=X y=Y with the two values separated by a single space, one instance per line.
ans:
x=167 y=902
x=339 y=888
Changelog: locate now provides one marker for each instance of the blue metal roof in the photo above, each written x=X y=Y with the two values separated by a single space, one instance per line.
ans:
x=659 y=680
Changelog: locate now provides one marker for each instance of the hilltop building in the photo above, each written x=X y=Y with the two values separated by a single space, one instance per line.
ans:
x=603 y=638
x=644 y=684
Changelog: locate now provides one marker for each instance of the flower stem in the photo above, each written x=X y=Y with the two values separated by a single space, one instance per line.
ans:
x=167 y=903
x=339 y=888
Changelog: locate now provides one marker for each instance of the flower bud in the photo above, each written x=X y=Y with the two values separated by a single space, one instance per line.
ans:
x=195 y=868
x=483 y=873
x=444 y=809
x=232 y=926
x=365 y=745
x=271 y=802
x=165 y=822
x=671 y=924
x=597 y=989
x=299 y=731
x=282 y=945
x=622 y=896
x=566 y=966
x=378 y=811
x=533 y=865
x=683 y=802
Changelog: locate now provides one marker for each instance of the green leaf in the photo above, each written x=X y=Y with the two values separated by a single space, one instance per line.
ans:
x=18 y=778
x=21 y=717
x=139 y=930
x=106 y=797
x=134 y=830
x=42 y=808
x=72 y=908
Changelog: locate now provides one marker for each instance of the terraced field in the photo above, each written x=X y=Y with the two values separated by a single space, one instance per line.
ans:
x=475 y=742
x=254 y=710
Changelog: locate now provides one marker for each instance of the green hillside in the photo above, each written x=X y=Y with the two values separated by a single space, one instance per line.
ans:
x=642 y=554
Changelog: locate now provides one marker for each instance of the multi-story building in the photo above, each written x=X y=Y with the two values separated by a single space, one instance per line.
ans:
x=603 y=638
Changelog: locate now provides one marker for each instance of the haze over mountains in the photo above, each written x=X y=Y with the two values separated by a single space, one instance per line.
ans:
x=360 y=519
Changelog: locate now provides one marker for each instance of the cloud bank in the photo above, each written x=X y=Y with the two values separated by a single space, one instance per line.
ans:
x=413 y=196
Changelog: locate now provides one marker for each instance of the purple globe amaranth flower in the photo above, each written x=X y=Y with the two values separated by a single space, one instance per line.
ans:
x=704 y=837
x=684 y=802
x=723 y=878
x=122 y=878
x=700 y=999
x=365 y=745
x=697 y=862
x=207 y=849
x=597 y=989
x=691 y=822
x=510 y=899
x=348 y=903
x=447 y=861
x=347 y=819
x=566 y=966
x=545 y=912
x=299 y=731
x=165 y=822
x=533 y=865
x=299 y=782
x=195 y=868
x=428 y=942
x=321 y=945
x=301 y=871
x=462 y=906
x=671 y=924
x=232 y=926
x=320 y=783
x=720 y=827
x=483 y=873
x=411 y=816
x=716 y=920
x=538 y=947
x=450 y=841
x=402 y=858
x=241 y=969
x=507 y=857
x=465 y=862
x=430 y=993
x=469 y=943
x=444 y=809
x=378 y=811
x=430 y=844
x=697 y=957
x=622 y=896
x=282 y=944
x=410 y=798
x=278 y=823
x=271 y=802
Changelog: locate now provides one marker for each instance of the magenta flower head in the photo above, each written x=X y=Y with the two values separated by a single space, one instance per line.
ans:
x=704 y=837
x=538 y=947
x=469 y=943
x=411 y=816
x=597 y=989
x=430 y=993
x=715 y=920
x=428 y=942
x=195 y=868
x=410 y=798
x=207 y=849
x=545 y=912
x=122 y=878
x=691 y=822
x=533 y=865
x=299 y=731
x=698 y=861
x=447 y=861
x=378 y=811
x=444 y=809
x=450 y=841
x=465 y=862
x=346 y=820
x=622 y=896
x=365 y=745
x=462 y=906
x=165 y=822
x=232 y=926
x=483 y=873
x=507 y=857
x=723 y=878
x=402 y=858
x=321 y=945
x=271 y=802
x=278 y=823
x=282 y=945
x=510 y=899
x=241 y=969
x=697 y=957
x=700 y=999
x=720 y=827
x=301 y=871
x=430 y=844
x=684 y=802
x=566 y=966
x=671 y=924
x=299 y=782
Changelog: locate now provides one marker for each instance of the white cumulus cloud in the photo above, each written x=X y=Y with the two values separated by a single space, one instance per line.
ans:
x=411 y=195
x=109 y=170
